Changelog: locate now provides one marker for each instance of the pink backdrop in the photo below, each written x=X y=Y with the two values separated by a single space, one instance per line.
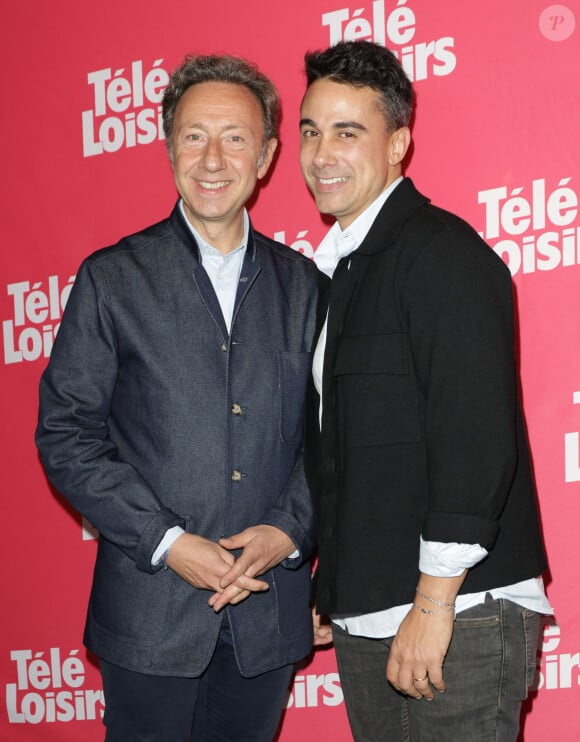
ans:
x=496 y=140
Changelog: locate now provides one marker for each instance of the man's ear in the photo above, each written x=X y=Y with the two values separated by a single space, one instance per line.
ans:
x=266 y=157
x=399 y=145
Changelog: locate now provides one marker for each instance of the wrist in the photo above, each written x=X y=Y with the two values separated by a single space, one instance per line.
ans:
x=432 y=606
x=434 y=601
x=441 y=589
x=164 y=556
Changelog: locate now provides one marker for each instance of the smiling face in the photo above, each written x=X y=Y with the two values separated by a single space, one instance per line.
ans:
x=217 y=155
x=347 y=155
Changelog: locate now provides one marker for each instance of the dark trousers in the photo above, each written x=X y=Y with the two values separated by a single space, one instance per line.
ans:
x=221 y=705
x=488 y=669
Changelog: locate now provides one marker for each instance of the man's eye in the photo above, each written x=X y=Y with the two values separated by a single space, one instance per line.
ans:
x=309 y=133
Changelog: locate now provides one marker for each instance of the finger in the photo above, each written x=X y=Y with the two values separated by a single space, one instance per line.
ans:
x=242 y=566
x=225 y=555
x=410 y=690
x=220 y=600
x=213 y=599
x=244 y=584
x=396 y=673
x=242 y=595
x=247 y=584
x=236 y=541
x=404 y=682
x=421 y=685
x=252 y=584
x=436 y=678
x=392 y=672
x=231 y=596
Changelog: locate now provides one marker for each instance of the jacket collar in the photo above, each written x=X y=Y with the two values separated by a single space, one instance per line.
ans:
x=401 y=204
x=183 y=233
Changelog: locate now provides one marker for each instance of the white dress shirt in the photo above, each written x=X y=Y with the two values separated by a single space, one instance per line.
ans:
x=224 y=274
x=435 y=558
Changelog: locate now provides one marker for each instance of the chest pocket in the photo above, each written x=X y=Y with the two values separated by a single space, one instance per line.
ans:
x=376 y=390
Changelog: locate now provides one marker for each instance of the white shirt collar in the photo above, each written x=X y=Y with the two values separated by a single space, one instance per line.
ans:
x=338 y=243
x=205 y=246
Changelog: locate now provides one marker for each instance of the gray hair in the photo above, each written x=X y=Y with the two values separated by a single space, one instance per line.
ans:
x=214 y=68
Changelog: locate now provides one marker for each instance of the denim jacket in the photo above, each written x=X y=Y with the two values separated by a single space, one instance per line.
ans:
x=152 y=415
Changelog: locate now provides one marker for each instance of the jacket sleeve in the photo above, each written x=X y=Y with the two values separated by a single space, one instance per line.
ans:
x=294 y=513
x=458 y=304
x=80 y=459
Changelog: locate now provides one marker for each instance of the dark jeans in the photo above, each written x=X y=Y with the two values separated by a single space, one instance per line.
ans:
x=488 y=670
x=221 y=705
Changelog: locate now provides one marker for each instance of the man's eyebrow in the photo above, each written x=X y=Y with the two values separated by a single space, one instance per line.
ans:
x=349 y=125
x=201 y=126
x=336 y=125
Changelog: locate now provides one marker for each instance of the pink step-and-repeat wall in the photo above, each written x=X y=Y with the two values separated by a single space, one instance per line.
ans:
x=495 y=139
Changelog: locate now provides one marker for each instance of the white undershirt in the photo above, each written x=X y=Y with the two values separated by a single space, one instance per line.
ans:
x=435 y=558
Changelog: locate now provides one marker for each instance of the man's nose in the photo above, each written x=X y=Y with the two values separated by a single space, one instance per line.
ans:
x=213 y=158
x=324 y=154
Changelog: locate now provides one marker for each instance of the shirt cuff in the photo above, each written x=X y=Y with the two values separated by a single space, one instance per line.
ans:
x=166 y=543
x=448 y=559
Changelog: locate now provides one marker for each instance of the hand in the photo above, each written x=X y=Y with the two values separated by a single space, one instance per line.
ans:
x=417 y=654
x=322 y=629
x=263 y=547
x=203 y=564
x=418 y=651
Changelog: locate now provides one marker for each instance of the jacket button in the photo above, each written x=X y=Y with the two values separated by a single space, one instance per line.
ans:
x=237 y=475
x=223 y=347
x=236 y=409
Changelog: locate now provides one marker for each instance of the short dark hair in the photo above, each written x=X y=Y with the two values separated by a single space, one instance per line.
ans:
x=366 y=64
x=213 y=68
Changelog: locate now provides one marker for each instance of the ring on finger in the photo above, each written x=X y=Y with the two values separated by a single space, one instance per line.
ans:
x=419 y=680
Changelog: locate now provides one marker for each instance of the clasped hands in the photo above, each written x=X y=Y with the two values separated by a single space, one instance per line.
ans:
x=207 y=565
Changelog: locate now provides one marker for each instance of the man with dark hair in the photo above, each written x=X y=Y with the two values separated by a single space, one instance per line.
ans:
x=171 y=416
x=430 y=551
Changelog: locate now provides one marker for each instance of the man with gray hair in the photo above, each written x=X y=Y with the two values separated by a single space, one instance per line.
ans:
x=171 y=417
